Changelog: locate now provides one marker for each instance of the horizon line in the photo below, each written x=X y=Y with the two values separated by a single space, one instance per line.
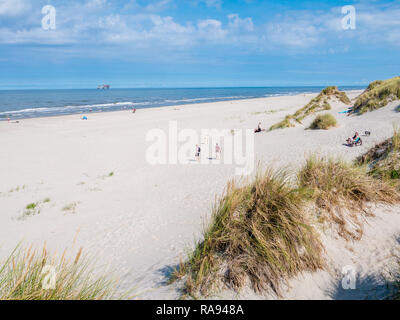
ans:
x=194 y=87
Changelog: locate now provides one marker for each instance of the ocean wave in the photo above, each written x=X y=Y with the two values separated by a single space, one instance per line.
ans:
x=208 y=99
x=102 y=105
x=67 y=108
x=10 y=112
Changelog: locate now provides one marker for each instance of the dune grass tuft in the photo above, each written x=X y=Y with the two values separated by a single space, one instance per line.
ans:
x=27 y=275
x=71 y=208
x=31 y=206
x=324 y=121
x=30 y=210
x=288 y=122
x=342 y=191
x=318 y=104
x=377 y=95
x=383 y=160
x=259 y=235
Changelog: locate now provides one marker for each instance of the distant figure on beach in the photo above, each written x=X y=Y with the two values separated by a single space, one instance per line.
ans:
x=218 y=151
x=198 y=152
x=258 y=128
x=134 y=110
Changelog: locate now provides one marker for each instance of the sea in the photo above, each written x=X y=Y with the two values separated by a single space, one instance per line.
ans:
x=22 y=104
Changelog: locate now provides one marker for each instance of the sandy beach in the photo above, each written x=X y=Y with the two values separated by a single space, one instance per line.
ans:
x=93 y=184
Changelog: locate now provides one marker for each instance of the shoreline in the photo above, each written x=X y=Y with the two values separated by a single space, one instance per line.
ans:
x=167 y=106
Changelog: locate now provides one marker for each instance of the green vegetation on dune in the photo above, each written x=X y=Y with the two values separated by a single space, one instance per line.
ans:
x=258 y=233
x=377 y=95
x=288 y=122
x=341 y=191
x=324 y=122
x=383 y=160
x=263 y=233
x=318 y=104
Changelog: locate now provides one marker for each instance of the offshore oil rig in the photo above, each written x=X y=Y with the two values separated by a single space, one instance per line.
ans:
x=103 y=87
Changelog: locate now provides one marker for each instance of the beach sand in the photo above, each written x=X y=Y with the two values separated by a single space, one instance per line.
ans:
x=139 y=220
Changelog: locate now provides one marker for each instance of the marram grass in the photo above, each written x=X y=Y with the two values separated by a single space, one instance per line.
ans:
x=26 y=273
x=317 y=104
x=383 y=160
x=341 y=192
x=323 y=122
x=288 y=122
x=259 y=235
x=378 y=95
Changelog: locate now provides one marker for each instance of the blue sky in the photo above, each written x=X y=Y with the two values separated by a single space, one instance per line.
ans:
x=197 y=43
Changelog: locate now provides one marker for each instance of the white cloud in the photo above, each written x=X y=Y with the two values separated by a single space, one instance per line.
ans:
x=36 y=35
x=212 y=3
x=96 y=22
x=211 y=29
x=293 y=34
x=157 y=6
x=96 y=3
x=236 y=22
x=13 y=7
x=77 y=24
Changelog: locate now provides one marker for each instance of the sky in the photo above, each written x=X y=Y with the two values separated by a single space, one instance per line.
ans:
x=197 y=43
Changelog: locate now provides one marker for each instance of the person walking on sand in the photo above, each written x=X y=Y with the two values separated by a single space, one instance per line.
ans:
x=198 y=152
x=218 y=151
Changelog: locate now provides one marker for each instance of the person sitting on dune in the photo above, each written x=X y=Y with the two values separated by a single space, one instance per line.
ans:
x=258 y=128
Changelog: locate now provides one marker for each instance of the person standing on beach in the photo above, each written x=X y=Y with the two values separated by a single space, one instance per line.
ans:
x=217 y=152
x=198 y=152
